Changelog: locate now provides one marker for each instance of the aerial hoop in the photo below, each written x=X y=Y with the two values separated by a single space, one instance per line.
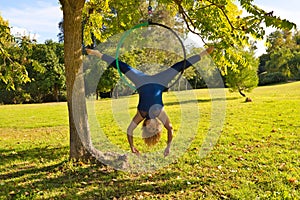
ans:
x=145 y=24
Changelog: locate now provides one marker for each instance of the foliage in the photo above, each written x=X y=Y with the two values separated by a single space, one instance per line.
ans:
x=103 y=19
x=44 y=69
x=48 y=78
x=29 y=72
x=60 y=35
x=99 y=24
x=272 y=78
x=108 y=80
x=282 y=55
x=197 y=81
x=222 y=24
x=12 y=69
x=256 y=157
x=244 y=79
x=218 y=23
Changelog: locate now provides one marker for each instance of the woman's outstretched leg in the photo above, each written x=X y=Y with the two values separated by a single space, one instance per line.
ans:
x=132 y=74
x=168 y=75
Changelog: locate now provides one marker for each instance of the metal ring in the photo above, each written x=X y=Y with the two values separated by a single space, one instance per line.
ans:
x=142 y=25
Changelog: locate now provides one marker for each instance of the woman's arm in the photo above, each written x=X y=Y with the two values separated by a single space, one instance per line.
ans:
x=133 y=124
x=130 y=129
x=167 y=124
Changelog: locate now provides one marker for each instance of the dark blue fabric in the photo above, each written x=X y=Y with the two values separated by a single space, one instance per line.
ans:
x=150 y=97
x=185 y=64
x=112 y=61
x=150 y=88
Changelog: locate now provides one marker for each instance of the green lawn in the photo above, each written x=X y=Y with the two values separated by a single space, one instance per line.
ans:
x=256 y=156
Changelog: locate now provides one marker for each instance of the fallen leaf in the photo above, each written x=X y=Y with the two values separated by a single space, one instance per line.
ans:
x=292 y=180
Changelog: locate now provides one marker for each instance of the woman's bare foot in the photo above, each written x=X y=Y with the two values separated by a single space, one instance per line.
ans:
x=208 y=51
x=94 y=52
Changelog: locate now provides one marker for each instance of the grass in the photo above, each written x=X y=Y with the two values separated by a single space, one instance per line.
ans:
x=256 y=156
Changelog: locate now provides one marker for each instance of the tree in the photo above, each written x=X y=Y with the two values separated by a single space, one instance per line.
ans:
x=294 y=64
x=244 y=79
x=218 y=22
x=72 y=12
x=221 y=23
x=47 y=74
x=44 y=69
x=279 y=61
x=15 y=61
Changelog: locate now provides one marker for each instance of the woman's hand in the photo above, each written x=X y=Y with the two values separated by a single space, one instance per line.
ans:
x=167 y=151
x=135 y=151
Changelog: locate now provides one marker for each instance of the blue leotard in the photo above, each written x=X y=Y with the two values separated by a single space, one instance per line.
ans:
x=151 y=87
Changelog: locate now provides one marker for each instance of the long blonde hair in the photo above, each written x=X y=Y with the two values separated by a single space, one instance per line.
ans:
x=149 y=138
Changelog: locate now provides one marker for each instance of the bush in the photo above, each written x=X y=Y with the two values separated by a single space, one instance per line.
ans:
x=14 y=96
x=271 y=78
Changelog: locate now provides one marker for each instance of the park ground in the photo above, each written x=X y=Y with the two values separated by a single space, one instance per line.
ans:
x=256 y=156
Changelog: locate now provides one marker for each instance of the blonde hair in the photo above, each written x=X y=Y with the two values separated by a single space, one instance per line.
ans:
x=150 y=138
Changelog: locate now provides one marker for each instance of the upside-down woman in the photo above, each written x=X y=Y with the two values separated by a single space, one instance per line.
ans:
x=150 y=107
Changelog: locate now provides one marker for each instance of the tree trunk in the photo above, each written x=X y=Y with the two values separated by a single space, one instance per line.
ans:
x=72 y=11
x=241 y=93
x=81 y=147
x=56 y=92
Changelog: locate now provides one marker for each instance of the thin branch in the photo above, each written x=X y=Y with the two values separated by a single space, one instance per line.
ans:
x=224 y=13
x=4 y=53
x=188 y=21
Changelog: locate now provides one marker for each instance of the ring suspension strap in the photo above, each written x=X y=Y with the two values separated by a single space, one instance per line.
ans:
x=150 y=12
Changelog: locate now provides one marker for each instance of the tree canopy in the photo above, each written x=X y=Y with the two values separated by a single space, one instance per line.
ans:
x=217 y=22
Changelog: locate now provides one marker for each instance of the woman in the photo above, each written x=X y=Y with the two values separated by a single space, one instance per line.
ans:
x=150 y=106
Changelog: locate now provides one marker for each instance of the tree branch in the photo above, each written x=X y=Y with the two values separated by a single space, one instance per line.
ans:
x=224 y=13
x=188 y=20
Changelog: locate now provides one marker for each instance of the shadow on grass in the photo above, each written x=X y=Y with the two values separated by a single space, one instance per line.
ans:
x=173 y=103
x=29 y=161
x=201 y=101
x=47 y=173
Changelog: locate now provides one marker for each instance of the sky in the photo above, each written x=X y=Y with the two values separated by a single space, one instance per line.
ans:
x=40 y=18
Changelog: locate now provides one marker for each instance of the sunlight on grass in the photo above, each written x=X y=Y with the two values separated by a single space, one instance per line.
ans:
x=256 y=156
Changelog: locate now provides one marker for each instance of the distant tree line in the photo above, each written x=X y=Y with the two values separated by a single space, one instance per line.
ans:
x=281 y=62
x=45 y=73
